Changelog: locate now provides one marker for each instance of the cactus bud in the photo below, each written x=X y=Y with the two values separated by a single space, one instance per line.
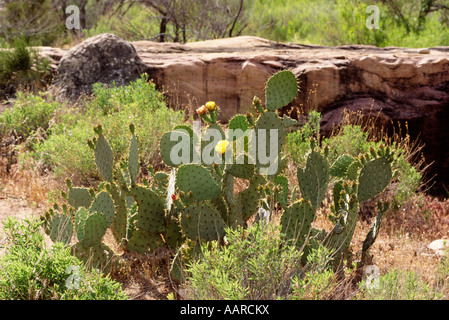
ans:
x=98 y=129
x=258 y=105
x=201 y=111
x=91 y=144
x=132 y=128
x=69 y=183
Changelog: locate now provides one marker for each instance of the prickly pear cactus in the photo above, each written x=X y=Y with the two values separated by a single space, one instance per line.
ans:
x=374 y=178
x=314 y=178
x=296 y=222
x=280 y=90
x=103 y=203
x=61 y=229
x=201 y=222
x=151 y=214
x=94 y=229
x=104 y=158
x=79 y=197
x=197 y=180
x=142 y=241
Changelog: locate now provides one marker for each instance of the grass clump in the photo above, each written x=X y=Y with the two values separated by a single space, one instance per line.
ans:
x=21 y=68
x=399 y=285
x=29 y=270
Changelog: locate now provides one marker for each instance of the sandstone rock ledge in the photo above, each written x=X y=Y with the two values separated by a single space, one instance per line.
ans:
x=402 y=84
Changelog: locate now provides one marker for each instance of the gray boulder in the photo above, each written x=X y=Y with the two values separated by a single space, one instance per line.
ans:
x=105 y=58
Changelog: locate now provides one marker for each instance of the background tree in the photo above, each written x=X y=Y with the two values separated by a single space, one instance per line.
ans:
x=184 y=20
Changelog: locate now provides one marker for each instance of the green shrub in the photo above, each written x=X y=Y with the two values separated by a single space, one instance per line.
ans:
x=318 y=281
x=21 y=68
x=66 y=149
x=399 y=285
x=255 y=264
x=31 y=271
x=29 y=113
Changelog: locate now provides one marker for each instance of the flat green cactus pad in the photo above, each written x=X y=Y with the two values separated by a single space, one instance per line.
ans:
x=374 y=178
x=196 y=179
x=61 y=229
x=104 y=158
x=142 y=241
x=297 y=220
x=167 y=145
x=151 y=214
x=79 y=197
x=313 y=180
x=201 y=222
x=94 y=229
x=341 y=165
x=103 y=203
x=133 y=159
x=281 y=89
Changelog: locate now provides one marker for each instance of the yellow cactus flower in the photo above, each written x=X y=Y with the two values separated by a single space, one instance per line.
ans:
x=210 y=105
x=220 y=148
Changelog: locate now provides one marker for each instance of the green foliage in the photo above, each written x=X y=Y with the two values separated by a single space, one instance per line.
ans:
x=255 y=265
x=31 y=271
x=399 y=285
x=29 y=113
x=34 y=21
x=402 y=23
x=115 y=108
x=350 y=142
x=318 y=280
x=21 y=68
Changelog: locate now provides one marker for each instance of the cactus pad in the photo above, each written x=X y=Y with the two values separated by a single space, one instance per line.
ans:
x=94 y=229
x=297 y=220
x=201 y=222
x=150 y=216
x=196 y=179
x=104 y=158
x=142 y=240
x=167 y=145
x=133 y=159
x=79 y=197
x=341 y=165
x=103 y=203
x=281 y=89
x=374 y=178
x=61 y=229
x=313 y=180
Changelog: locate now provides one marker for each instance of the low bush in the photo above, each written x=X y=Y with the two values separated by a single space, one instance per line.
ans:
x=255 y=264
x=21 y=68
x=29 y=270
x=29 y=113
